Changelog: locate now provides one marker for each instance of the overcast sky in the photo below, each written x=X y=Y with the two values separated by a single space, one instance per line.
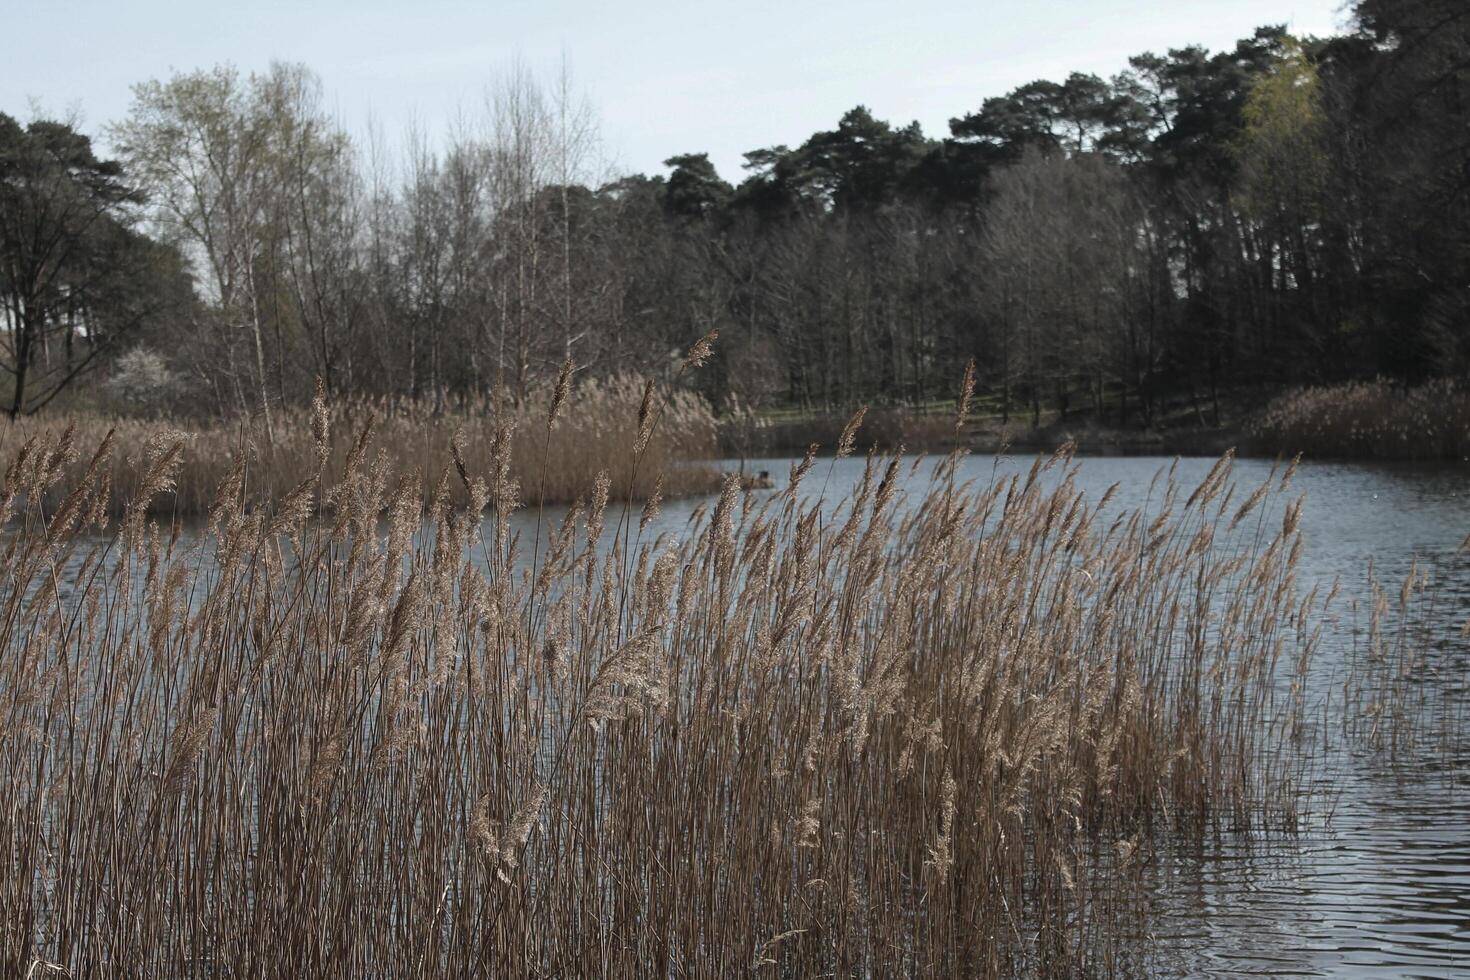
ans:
x=665 y=76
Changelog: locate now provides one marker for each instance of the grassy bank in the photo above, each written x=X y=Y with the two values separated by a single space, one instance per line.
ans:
x=930 y=428
x=1368 y=420
x=1356 y=420
x=937 y=735
x=596 y=432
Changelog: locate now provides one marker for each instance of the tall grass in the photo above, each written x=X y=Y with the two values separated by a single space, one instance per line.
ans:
x=1405 y=694
x=931 y=734
x=1369 y=420
x=415 y=442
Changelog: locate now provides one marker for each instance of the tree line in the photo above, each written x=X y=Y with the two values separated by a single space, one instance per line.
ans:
x=1292 y=210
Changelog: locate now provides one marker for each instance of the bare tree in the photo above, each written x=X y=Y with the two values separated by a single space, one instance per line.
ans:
x=252 y=182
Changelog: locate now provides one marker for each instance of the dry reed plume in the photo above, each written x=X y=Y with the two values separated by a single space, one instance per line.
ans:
x=588 y=438
x=929 y=734
x=1369 y=420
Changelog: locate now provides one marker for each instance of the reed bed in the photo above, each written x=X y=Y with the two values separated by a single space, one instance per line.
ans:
x=1406 y=695
x=553 y=467
x=1369 y=420
x=927 y=733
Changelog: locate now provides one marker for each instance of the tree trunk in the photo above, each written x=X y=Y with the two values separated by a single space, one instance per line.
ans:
x=265 y=404
x=22 y=366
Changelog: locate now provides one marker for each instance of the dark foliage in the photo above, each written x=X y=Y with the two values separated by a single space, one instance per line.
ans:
x=1151 y=245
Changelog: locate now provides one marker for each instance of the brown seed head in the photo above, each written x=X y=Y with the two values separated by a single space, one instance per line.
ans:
x=702 y=349
x=849 y=432
x=563 y=388
x=967 y=391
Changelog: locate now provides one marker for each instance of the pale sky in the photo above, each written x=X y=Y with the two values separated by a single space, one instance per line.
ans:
x=663 y=76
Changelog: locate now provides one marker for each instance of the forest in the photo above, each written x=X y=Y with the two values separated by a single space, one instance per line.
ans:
x=1200 y=231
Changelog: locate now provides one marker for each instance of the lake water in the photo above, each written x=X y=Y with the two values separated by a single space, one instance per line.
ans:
x=1376 y=882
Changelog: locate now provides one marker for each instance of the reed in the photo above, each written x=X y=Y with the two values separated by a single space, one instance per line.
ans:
x=1369 y=420
x=1404 y=697
x=415 y=439
x=928 y=732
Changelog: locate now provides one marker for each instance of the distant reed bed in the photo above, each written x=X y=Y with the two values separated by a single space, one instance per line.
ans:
x=934 y=733
x=1369 y=420
x=413 y=440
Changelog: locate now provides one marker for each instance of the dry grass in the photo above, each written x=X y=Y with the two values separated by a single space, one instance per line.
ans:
x=929 y=736
x=1369 y=420
x=1405 y=694
x=590 y=437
